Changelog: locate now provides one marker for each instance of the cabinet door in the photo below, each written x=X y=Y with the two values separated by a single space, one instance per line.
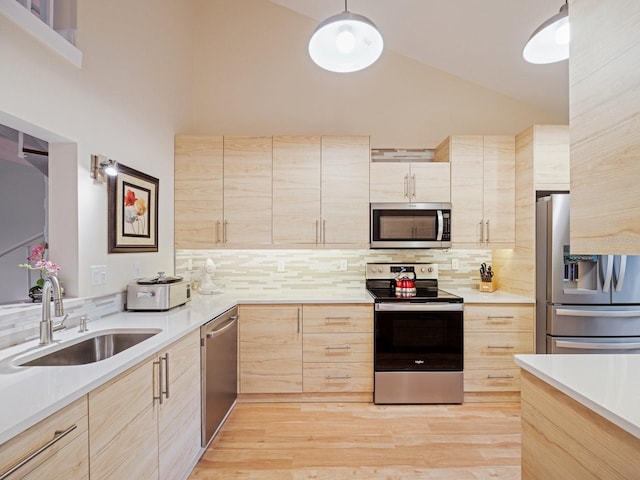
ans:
x=247 y=190
x=296 y=189
x=345 y=190
x=604 y=73
x=551 y=157
x=466 y=153
x=179 y=413
x=389 y=182
x=430 y=182
x=123 y=426
x=499 y=198
x=198 y=191
x=270 y=348
x=67 y=458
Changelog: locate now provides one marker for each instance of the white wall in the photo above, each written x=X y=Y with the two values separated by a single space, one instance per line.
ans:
x=254 y=77
x=131 y=95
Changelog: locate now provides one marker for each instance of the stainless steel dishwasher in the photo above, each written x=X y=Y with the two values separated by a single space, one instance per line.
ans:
x=219 y=363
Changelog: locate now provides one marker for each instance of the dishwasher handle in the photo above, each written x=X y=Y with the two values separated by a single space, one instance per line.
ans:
x=219 y=330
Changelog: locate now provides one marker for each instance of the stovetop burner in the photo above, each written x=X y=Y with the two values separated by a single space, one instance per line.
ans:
x=381 y=283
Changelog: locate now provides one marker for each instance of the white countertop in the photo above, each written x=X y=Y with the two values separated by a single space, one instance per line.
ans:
x=476 y=296
x=607 y=384
x=30 y=394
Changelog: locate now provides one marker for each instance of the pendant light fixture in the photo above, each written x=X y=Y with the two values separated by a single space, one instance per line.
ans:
x=345 y=42
x=550 y=41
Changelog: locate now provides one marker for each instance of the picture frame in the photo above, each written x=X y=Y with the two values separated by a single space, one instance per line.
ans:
x=132 y=211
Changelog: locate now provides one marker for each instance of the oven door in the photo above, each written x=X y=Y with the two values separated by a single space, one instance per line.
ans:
x=418 y=337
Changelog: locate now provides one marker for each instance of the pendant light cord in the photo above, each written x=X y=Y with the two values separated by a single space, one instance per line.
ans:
x=345 y=6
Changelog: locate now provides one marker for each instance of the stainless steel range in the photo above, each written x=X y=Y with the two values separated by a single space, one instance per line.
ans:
x=418 y=339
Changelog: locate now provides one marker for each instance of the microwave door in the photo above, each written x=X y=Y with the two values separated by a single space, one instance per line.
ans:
x=625 y=288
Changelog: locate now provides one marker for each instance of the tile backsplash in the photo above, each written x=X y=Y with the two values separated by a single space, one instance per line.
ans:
x=252 y=269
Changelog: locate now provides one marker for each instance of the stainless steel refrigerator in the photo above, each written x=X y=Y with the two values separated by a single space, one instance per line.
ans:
x=584 y=303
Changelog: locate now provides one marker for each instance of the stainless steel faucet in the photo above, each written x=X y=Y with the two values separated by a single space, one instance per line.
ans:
x=51 y=285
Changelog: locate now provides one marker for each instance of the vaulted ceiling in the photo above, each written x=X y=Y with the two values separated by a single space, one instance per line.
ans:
x=480 y=41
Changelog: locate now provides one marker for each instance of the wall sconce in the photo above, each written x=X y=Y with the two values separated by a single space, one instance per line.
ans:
x=102 y=166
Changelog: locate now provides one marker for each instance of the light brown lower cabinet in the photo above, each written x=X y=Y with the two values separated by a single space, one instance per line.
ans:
x=63 y=439
x=493 y=334
x=145 y=423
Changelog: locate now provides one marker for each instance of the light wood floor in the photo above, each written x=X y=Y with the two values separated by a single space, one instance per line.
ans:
x=296 y=441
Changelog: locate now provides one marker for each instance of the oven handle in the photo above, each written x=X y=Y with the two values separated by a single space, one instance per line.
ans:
x=419 y=307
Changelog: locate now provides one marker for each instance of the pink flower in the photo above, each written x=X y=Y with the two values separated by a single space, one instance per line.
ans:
x=37 y=252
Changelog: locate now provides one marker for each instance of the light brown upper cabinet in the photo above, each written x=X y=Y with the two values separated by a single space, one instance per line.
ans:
x=296 y=189
x=604 y=83
x=482 y=190
x=320 y=190
x=550 y=157
x=198 y=191
x=247 y=191
x=410 y=182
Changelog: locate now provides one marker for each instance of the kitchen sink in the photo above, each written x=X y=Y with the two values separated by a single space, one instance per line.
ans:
x=90 y=350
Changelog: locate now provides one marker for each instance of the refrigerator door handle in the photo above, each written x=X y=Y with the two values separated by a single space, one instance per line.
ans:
x=597 y=313
x=606 y=284
x=623 y=268
x=597 y=346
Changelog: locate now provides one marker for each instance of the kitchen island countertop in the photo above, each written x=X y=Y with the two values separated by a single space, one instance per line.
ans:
x=607 y=384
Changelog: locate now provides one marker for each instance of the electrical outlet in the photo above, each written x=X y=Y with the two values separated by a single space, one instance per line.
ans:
x=98 y=274
x=280 y=266
x=343 y=265
x=190 y=264
x=455 y=264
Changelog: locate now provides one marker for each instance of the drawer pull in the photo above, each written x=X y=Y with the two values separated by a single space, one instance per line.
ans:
x=342 y=347
x=490 y=317
x=337 y=319
x=504 y=347
x=335 y=377
x=58 y=435
x=500 y=377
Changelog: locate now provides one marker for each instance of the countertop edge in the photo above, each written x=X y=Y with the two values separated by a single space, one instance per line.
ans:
x=613 y=417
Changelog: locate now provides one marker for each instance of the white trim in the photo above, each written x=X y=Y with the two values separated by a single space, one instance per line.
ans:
x=40 y=30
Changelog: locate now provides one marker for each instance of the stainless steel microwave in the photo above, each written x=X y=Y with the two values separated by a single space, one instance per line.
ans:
x=410 y=225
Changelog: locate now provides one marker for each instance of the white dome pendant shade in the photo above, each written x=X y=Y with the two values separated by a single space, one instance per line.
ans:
x=346 y=42
x=550 y=42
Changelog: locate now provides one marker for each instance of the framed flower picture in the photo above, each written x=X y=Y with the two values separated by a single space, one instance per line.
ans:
x=133 y=211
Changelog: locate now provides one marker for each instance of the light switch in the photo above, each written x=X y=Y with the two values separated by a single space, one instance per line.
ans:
x=455 y=264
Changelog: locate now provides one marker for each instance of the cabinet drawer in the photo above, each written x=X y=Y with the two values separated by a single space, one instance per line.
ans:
x=337 y=318
x=498 y=318
x=486 y=350
x=338 y=377
x=66 y=458
x=337 y=347
x=492 y=380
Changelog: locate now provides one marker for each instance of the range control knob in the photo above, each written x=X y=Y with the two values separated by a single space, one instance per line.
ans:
x=379 y=269
x=423 y=269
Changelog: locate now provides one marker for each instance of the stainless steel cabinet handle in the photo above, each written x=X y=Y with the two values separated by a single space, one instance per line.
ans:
x=218 y=231
x=317 y=228
x=341 y=347
x=487 y=223
x=481 y=231
x=225 y=226
x=160 y=375
x=504 y=347
x=336 y=319
x=406 y=186
x=298 y=320
x=166 y=374
x=499 y=316
x=57 y=436
x=413 y=187
x=340 y=377
x=497 y=377
x=324 y=231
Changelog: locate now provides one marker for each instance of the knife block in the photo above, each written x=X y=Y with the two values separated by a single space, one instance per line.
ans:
x=487 y=286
